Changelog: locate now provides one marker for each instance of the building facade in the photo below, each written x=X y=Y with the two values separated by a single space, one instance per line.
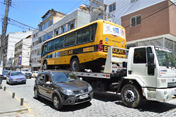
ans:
x=23 y=52
x=71 y=21
x=147 y=22
x=9 y=45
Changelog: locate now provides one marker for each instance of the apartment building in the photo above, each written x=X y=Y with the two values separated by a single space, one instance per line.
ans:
x=68 y=22
x=9 y=45
x=23 y=52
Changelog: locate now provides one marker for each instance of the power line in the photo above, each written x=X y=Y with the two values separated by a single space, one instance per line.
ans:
x=154 y=13
x=75 y=6
x=127 y=10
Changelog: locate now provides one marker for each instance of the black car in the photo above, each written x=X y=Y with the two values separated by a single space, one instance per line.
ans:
x=28 y=75
x=62 y=88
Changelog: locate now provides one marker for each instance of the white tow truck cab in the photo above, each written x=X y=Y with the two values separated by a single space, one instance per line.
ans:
x=149 y=72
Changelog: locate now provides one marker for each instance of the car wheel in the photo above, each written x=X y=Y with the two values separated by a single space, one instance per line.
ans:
x=7 y=82
x=75 y=65
x=131 y=96
x=24 y=83
x=36 y=94
x=45 y=66
x=56 y=102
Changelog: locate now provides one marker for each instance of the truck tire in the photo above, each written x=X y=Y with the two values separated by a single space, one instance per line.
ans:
x=131 y=96
x=75 y=65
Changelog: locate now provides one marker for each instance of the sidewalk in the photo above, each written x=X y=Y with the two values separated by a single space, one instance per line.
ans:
x=9 y=104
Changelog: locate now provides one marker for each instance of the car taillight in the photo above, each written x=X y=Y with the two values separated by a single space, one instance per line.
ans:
x=100 y=46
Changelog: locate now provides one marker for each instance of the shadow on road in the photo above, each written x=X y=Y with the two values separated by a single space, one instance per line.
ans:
x=104 y=96
x=153 y=106
x=65 y=108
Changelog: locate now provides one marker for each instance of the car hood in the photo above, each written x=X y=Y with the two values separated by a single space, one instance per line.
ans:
x=75 y=85
x=21 y=76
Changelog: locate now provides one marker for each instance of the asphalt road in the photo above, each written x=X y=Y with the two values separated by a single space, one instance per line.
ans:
x=102 y=105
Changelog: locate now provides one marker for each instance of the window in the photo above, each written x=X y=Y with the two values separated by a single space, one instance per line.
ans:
x=44 y=49
x=133 y=1
x=70 y=39
x=39 y=51
x=93 y=32
x=39 y=39
x=63 y=29
x=71 y=25
x=57 y=32
x=136 y=20
x=51 y=22
x=112 y=7
x=59 y=42
x=50 y=56
x=51 y=45
x=139 y=55
x=83 y=35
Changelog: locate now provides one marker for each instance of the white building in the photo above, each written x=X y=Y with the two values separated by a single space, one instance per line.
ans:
x=23 y=52
x=9 y=44
x=73 y=20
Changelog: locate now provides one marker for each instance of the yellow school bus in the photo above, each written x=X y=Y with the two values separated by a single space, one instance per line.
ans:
x=84 y=47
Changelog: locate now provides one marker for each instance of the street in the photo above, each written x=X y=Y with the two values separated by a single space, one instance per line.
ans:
x=102 y=105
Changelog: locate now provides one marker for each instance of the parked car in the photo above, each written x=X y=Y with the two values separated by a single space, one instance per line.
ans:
x=5 y=73
x=62 y=88
x=34 y=74
x=25 y=71
x=28 y=75
x=14 y=77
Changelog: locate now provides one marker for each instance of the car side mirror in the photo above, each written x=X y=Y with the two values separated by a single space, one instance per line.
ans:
x=151 y=57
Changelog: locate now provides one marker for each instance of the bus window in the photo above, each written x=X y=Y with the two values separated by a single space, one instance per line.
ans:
x=70 y=39
x=50 y=45
x=44 y=49
x=59 y=42
x=93 y=31
x=83 y=36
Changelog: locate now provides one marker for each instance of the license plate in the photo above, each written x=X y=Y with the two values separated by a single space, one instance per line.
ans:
x=18 y=80
x=83 y=96
x=174 y=91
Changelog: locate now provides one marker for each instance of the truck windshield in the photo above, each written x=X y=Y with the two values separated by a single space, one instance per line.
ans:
x=165 y=58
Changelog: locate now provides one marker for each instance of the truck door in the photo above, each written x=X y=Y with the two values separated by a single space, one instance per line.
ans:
x=141 y=68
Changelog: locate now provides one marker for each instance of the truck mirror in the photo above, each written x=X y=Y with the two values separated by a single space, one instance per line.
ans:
x=151 y=57
x=125 y=64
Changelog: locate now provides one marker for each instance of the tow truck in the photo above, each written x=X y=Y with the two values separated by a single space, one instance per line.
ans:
x=149 y=72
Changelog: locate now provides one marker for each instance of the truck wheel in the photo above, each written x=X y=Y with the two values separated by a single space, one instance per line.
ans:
x=56 y=102
x=45 y=66
x=131 y=96
x=75 y=65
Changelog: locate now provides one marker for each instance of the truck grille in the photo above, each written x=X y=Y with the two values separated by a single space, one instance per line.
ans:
x=171 y=84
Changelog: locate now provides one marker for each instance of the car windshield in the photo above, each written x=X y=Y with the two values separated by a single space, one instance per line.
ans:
x=5 y=72
x=165 y=58
x=59 y=77
x=24 y=70
x=16 y=73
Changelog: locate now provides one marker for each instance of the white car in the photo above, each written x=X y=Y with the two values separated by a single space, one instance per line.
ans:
x=34 y=74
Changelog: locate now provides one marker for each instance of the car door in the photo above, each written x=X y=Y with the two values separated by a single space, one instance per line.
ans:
x=41 y=84
x=141 y=68
x=48 y=87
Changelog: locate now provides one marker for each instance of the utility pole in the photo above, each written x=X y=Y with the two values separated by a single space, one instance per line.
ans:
x=4 y=32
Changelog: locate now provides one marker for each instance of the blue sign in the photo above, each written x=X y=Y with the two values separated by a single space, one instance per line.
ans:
x=19 y=60
x=57 y=54
x=117 y=30
x=106 y=39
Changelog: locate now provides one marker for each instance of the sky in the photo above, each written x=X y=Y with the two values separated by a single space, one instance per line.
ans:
x=29 y=12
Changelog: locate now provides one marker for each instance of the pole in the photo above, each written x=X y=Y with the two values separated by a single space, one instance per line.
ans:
x=4 y=32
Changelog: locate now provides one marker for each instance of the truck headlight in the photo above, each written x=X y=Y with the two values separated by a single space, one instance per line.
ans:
x=67 y=92
x=89 y=88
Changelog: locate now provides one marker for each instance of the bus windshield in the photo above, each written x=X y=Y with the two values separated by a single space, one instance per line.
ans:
x=165 y=58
